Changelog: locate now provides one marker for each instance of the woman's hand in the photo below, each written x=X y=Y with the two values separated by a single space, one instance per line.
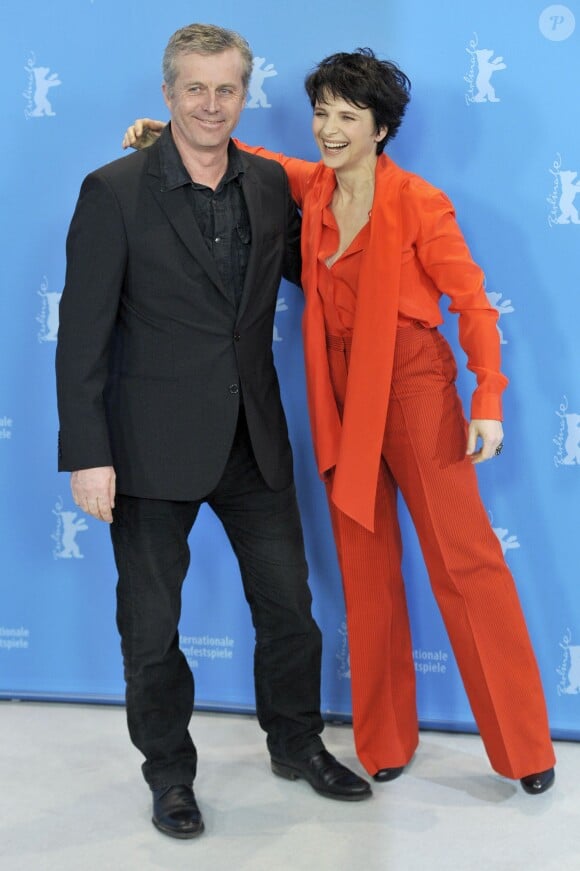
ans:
x=491 y=434
x=143 y=133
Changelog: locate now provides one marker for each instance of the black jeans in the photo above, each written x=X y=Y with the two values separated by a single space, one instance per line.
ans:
x=152 y=555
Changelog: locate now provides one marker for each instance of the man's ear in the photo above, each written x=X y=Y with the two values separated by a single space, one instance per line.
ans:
x=167 y=95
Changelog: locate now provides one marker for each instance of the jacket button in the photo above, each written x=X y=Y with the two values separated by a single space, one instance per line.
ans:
x=236 y=337
x=234 y=388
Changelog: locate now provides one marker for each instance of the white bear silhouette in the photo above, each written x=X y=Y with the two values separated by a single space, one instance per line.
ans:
x=257 y=95
x=574 y=672
x=568 y=210
x=504 y=307
x=508 y=542
x=52 y=301
x=42 y=83
x=69 y=531
x=486 y=69
x=572 y=444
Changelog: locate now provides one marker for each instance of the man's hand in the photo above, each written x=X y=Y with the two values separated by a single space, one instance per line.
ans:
x=93 y=490
x=143 y=133
x=491 y=434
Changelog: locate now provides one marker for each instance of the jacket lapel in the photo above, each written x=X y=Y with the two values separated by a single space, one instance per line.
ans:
x=253 y=200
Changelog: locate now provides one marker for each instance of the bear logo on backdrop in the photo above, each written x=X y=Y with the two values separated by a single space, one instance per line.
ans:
x=68 y=525
x=280 y=307
x=40 y=81
x=504 y=307
x=565 y=186
x=482 y=66
x=507 y=541
x=569 y=668
x=48 y=317
x=257 y=98
x=568 y=439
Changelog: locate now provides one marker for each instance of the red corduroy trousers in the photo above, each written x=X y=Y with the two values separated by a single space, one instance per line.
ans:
x=424 y=455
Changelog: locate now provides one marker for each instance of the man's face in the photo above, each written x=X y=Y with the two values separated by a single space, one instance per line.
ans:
x=206 y=100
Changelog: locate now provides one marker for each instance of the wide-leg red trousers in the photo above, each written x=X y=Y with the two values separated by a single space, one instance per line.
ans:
x=424 y=455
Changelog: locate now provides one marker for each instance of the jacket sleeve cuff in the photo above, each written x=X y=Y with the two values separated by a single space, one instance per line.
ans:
x=486 y=407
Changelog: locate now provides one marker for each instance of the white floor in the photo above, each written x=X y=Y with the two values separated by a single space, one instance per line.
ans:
x=72 y=799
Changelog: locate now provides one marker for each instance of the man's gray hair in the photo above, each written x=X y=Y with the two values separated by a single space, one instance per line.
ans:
x=204 y=39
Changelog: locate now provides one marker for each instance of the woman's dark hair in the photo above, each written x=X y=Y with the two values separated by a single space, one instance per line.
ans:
x=360 y=78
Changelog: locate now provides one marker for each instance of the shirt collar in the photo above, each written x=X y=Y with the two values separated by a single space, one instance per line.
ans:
x=174 y=173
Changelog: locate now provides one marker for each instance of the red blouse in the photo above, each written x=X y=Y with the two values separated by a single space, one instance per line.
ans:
x=338 y=284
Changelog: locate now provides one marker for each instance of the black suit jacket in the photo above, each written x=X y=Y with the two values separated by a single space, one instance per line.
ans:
x=150 y=364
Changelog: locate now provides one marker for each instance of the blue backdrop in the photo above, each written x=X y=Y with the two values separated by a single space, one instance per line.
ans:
x=494 y=122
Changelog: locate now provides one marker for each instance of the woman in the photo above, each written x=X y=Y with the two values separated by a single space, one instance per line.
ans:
x=380 y=246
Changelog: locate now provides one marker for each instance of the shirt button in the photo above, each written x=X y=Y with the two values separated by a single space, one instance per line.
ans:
x=234 y=388
x=236 y=337
x=217 y=239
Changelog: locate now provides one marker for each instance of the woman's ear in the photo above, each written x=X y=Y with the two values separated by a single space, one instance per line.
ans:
x=381 y=133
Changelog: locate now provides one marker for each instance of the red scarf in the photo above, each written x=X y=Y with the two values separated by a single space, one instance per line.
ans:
x=354 y=447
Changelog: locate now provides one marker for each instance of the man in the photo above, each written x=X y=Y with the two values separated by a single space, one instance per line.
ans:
x=168 y=398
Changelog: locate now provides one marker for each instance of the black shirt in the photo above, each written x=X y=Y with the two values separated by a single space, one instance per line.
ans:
x=221 y=214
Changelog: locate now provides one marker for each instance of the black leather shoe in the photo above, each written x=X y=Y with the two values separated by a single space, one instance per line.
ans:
x=385 y=774
x=537 y=783
x=175 y=812
x=326 y=775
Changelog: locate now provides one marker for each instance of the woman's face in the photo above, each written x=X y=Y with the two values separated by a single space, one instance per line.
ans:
x=346 y=135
